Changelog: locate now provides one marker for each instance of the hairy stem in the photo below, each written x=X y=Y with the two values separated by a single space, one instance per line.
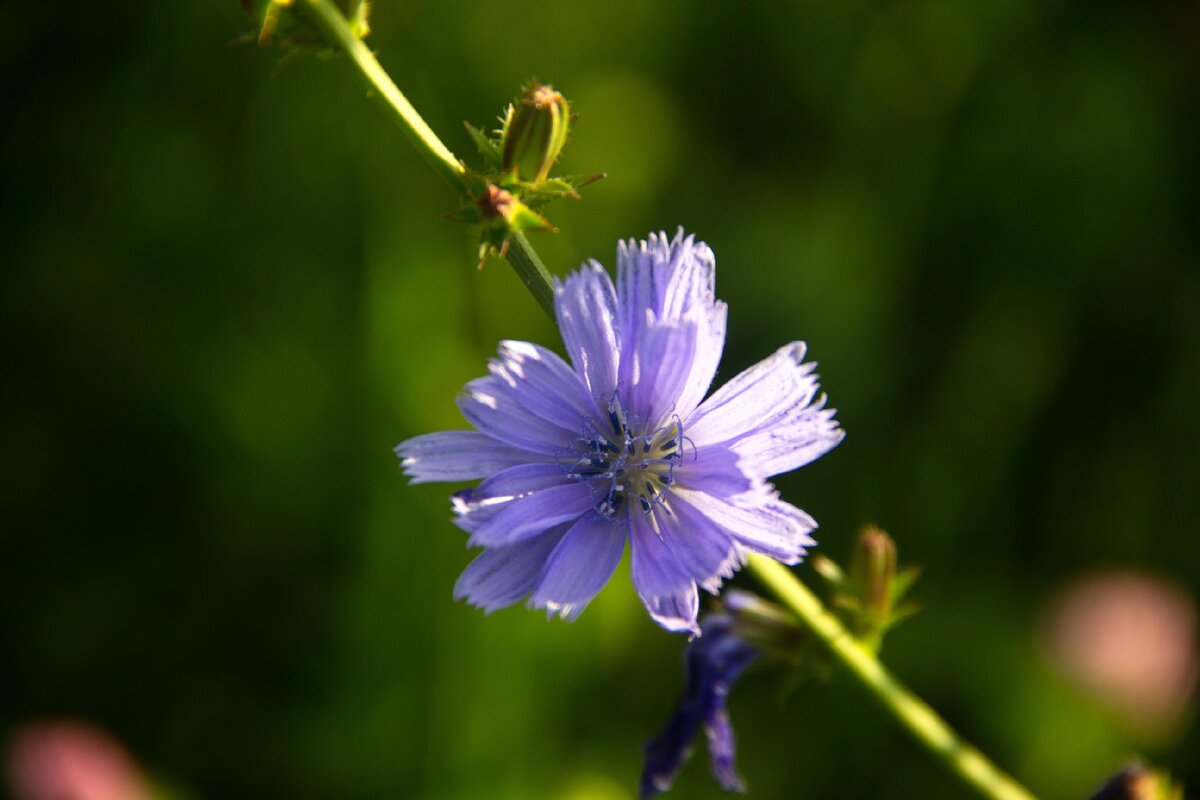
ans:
x=332 y=25
x=909 y=710
x=912 y=713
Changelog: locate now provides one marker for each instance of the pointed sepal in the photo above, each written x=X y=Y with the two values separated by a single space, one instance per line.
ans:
x=487 y=148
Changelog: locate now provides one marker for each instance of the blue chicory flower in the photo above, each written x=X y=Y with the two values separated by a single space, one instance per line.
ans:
x=712 y=663
x=618 y=446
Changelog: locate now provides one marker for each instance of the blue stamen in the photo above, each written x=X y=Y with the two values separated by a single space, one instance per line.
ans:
x=630 y=464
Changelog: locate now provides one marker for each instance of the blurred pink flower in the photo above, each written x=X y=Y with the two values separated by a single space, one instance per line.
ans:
x=1129 y=639
x=67 y=760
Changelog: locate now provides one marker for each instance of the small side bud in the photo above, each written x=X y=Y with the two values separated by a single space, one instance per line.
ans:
x=873 y=571
x=1137 y=782
x=868 y=595
x=535 y=130
x=279 y=22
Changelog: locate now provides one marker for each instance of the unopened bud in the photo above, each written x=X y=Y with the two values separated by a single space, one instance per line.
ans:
x=873 y=571
x=534 y=133
x=1136 y=782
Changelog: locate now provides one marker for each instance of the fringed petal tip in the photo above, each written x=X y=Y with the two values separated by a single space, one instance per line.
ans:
x=567 y=612
x=676 y=613
x=727 y=569
x=664 y=246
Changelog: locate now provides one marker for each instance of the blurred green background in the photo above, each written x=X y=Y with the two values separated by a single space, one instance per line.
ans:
x=226 y=295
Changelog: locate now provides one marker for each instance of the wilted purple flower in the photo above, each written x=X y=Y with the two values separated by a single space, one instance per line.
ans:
x=712 y=663
x=620 y=447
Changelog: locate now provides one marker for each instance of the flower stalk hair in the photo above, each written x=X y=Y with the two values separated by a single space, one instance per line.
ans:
x=330 y=26
x=621 y=447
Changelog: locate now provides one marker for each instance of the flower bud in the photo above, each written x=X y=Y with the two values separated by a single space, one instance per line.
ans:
x=534 y=133
x=1137 y=782
x=873 y=571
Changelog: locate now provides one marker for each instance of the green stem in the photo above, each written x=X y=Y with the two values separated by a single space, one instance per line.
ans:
x=329 y=21
x=913 y=713
x=332 y=25
x=532 y=272
x=920 y=720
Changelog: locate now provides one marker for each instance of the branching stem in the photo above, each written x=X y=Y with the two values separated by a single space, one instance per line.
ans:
x=330 y=23
x=921 y=721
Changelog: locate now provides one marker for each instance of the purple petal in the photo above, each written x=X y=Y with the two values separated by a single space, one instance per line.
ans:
x=772 y=398
x=500 y=576
x=714 y=469
x=457 y=456
x=677 y=612
x=655 y=369
x=586 y=307
x=655 y=569
x=758 y=521
x=801 y=436
x=710 y=343
x=722 y=751
x=543 y=384
x=667 y=590
x=579 y=566
x=701 y=548
x=520 y=502
x=673 y=280
x=667 y=277
x=533 y=513
x=478 y=505
x=493 y=406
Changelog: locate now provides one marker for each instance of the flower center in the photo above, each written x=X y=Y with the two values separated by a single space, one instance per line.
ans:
x=636 y=467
